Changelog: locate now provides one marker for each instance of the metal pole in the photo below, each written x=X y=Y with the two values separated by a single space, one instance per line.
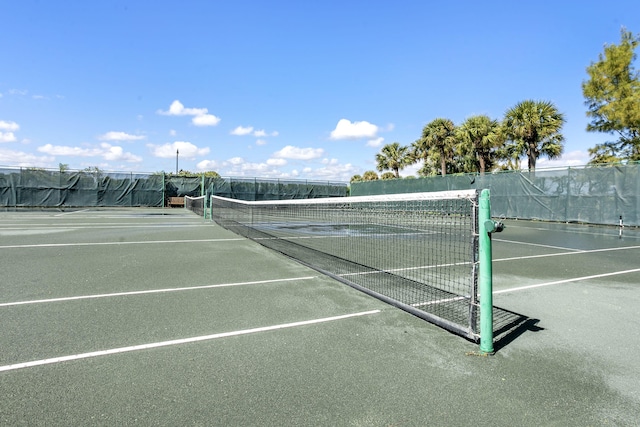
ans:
x=486 y=226
x=177 y=152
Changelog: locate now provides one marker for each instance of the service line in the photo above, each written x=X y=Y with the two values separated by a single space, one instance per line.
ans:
x=153 y=291
x=69 y=358
x=559 y=282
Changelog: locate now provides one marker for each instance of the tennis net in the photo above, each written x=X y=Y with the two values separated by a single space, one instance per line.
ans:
x=418 y=251
x=195 y=204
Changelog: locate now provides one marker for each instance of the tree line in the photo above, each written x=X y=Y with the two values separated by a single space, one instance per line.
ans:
x=531 y=128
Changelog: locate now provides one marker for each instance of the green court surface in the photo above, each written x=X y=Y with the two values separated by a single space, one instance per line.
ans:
x=158 y=317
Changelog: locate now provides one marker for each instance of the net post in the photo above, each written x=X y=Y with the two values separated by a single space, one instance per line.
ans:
x=486 y=274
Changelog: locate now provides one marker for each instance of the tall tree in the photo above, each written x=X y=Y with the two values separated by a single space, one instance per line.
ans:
x=438 y=137
x=393 y=157
x=480 y=137
x=533 y=127
x=612 y=95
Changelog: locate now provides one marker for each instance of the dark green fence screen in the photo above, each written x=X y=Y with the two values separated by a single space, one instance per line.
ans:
x=594 y=195
x=34 y=187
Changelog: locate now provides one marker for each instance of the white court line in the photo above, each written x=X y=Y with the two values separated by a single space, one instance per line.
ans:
x=179 y=341
x=154 y=291
x=558 y=282
x=538 y=244
x=151 y=242
x=71 y=213
x=612 y=228
x=103 y=225
x=584 y=252
x=440 y=301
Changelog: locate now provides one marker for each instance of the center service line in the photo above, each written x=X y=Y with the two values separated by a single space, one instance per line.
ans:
x=179 y=341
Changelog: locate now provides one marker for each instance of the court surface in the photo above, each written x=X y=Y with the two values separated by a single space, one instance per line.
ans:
x=158 y=317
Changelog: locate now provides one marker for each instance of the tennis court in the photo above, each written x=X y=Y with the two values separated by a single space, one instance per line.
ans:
x=158 y=317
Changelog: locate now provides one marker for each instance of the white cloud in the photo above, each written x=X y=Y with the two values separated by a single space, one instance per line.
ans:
x=572 y=158
x=237 y=166
x=205 y=120
x=291 y=152
x=375 y=142
x=207 y=165
x=259 y=133
x=185 y=150
x=114 y=152
x=333 y=171
x=18 y=92
x=9 y=126
x=63 y=150
x=411 y=170
x=177 y=109
x=172 y=132
x=106 y=151
x=276 y=162
x=262 y=133
x=261 y=142
x=7 y=137
x=120 y=136
x=201 y=116
x=345 y=129
x=242 y=130
x=258 y=169
x=20 y=158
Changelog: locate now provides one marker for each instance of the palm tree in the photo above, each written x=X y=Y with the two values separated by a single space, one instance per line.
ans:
x=480 y=136
x=393 y=157
x=534 y=127
x=388 y=175
x=438 y=137
x=370 y=176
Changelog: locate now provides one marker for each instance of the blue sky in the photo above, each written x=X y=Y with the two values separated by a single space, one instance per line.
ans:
x=282 y=89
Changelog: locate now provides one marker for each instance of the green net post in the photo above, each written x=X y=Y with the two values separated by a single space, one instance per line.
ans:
x=485 y=227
